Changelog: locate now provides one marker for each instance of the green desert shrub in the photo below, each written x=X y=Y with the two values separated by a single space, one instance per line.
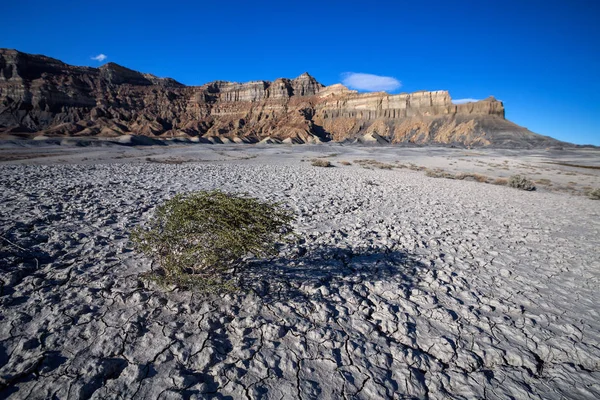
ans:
x=520 y=182
x=594 y=194
x=197 y=238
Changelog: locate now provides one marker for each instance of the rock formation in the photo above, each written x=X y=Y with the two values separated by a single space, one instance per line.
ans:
x=44 y=96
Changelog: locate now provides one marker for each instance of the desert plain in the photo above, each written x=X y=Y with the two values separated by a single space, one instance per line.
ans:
x=402 y=284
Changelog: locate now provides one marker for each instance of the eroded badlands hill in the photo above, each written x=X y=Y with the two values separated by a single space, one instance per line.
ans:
x=40 y=95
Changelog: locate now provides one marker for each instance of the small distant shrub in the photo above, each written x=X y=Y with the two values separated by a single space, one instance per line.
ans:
x=414 y=167
x=432 y=173
x=321 y=163
x=368 y=164
x=345 y=163
x=520 y=182
x=438 y=173
x=544 y=181
x=481 y=178
x=500 y=181
x=594 y=194
x=472 y=177
x=384 y=166
x=196 y=238
x=164 y=161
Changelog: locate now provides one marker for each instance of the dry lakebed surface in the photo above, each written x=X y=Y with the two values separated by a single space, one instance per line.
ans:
x=402 y=284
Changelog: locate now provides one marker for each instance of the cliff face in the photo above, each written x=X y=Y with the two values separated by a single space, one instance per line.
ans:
x=41 y=95
x=420 y=117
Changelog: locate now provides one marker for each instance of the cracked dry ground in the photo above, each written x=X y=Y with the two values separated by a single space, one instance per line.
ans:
x=405 y=287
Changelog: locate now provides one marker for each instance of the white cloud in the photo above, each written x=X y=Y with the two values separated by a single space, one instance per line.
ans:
x=100 y=57
x=463 y=101
x=370 y=82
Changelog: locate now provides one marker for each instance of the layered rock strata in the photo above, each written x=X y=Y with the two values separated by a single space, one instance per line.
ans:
x=43 y=96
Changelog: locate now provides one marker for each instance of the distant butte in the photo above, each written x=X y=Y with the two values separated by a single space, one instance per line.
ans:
x=40 y=95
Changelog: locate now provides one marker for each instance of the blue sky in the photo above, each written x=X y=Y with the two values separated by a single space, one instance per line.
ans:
x=542 y=58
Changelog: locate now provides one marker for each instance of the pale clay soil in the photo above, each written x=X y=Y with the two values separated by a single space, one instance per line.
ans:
x=403 y=286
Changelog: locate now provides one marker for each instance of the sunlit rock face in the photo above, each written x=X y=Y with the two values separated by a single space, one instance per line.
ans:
x=42 y=95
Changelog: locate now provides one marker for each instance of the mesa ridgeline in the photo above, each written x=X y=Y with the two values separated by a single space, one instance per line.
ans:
x=42 y=96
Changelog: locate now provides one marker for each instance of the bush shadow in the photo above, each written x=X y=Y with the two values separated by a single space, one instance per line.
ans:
x=292 y=275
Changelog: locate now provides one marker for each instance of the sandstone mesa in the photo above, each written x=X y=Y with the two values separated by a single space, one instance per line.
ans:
x=42 y=96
